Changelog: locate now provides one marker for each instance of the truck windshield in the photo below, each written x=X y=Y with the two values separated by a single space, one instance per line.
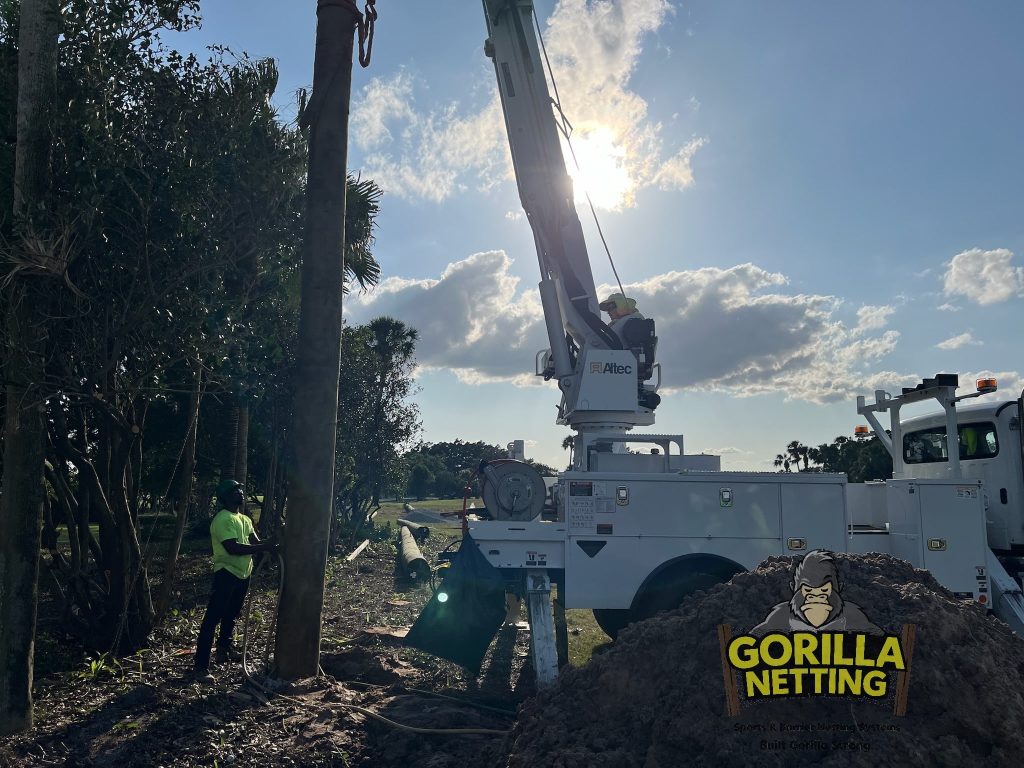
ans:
x=977 y=441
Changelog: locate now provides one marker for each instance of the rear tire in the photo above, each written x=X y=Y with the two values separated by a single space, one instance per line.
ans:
x=669 y=590
x=612 y=620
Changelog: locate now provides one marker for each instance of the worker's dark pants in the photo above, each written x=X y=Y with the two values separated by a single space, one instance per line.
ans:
x=225 y=604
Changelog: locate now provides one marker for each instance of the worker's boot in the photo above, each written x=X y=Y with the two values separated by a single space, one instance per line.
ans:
x=201 y=675
x=226 y=655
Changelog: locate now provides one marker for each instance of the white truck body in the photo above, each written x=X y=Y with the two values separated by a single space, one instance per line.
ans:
x=737 y=518
x=622 y=519
x=617 y=523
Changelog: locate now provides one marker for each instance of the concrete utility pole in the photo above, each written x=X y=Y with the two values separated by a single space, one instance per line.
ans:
x=21 y=500
x=315 y=411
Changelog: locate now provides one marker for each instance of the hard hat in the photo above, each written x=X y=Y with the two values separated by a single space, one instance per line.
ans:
x=619 y=302
x=226 y=488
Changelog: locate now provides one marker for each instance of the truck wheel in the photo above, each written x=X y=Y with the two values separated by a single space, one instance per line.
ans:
x=612 y=620
x=670 y=590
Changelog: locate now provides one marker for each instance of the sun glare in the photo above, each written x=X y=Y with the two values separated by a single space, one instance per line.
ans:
x=602 y=172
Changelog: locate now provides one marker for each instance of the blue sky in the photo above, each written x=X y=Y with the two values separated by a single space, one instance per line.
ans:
x=813 y=200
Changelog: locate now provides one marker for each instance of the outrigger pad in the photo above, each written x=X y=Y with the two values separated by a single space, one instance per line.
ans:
x=461 y=627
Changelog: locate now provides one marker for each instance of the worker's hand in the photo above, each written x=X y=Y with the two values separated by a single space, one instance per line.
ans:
x=272 y=547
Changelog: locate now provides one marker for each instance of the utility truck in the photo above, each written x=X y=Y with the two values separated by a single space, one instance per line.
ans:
x=629 y=534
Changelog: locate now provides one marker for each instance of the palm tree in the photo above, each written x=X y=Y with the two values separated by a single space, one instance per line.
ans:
x=362 y=204
x=798 y=452
x=568 y=444
x=312 y=459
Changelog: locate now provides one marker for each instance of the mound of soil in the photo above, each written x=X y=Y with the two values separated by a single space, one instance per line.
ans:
x=657 y=698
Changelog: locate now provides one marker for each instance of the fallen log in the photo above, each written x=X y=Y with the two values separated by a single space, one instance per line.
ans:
x=357 y=551
x=420 y=532
x=410 y=559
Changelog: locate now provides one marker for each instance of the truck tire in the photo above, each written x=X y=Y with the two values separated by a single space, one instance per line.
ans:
x=612 y=620
x=670 y=589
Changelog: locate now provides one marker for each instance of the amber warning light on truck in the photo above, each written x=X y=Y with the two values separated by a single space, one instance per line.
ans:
x=987 y=385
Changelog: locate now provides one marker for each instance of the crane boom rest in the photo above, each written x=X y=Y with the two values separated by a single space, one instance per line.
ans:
x=600 y=374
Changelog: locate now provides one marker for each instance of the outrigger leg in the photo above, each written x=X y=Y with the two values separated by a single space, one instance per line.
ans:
x=542 y=627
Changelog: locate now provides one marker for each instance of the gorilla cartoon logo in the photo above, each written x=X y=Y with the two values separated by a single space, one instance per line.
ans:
x=817 y=605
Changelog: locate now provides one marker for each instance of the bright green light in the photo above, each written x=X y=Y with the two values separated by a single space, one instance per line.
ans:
x=442 y=597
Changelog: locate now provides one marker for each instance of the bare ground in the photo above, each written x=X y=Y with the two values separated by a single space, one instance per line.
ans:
x=146 y=711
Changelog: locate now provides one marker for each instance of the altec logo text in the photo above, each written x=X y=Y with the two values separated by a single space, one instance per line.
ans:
x=610 y=368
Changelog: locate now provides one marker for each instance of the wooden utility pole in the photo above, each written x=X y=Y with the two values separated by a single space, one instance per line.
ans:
x=21 y=497
x=310 y=468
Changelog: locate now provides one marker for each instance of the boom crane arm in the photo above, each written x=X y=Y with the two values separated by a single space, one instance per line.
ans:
x=577 y=334
x=545 y=188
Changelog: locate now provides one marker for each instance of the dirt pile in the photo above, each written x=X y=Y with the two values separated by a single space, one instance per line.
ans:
x=657 y=699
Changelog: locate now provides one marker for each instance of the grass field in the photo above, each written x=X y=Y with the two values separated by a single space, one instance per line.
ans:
x=390 y=511
x=584 y=635
x=432 y=505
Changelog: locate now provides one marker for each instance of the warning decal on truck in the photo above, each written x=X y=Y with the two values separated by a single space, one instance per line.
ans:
x=580 y=512
x=587 y=499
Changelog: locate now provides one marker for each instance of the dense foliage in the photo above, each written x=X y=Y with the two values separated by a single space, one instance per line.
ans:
x=443 y=469
x=168 y=268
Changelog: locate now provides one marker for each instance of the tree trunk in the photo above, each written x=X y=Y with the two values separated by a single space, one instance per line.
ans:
x=135 y=612
x=242 y=442
x=78 y=599
x=134 y=477
x=21 y=502
x=312 y=454
x=229 y=450
x=267 y=523
x=182 y=493
x=126 y=615
x=280 y=490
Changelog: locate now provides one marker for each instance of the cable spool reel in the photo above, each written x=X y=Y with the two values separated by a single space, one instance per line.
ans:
x=512 y=490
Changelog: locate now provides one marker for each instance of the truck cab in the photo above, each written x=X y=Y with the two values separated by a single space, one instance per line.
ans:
x=989 y=439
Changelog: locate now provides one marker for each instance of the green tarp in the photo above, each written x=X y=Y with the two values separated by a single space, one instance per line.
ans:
x=460 y=626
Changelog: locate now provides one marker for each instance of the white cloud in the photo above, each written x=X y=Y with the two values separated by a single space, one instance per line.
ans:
x=955 y=342
x=677 y=171
x=985 y=277
x=426 y=155
x=383 y=104
x=434 y=152
x=727 y=451
x=470 y=321
x=732 y=330
x=871 y=318
x=736 y=331
x=947 y=307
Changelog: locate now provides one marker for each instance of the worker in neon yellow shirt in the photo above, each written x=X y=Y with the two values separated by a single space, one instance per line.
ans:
x=234 y=543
